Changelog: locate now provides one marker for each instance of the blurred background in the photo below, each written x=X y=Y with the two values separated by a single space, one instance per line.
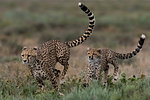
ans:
x=119 y=24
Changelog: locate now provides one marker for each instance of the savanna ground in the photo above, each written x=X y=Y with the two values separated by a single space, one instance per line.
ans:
x=119 y=25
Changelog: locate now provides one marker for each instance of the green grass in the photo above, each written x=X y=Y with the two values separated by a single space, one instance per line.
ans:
x=16 y=21
x=125 y=89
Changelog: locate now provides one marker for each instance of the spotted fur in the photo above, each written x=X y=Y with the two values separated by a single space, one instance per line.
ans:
x=42 y=60
x=99 y=59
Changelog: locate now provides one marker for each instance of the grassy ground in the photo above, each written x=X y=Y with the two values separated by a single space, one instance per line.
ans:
x=119 y=25
x=133 y=88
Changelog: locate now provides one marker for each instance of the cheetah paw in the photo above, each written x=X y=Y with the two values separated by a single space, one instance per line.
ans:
x=62 y=81
x=105 y=84
x=115 y=79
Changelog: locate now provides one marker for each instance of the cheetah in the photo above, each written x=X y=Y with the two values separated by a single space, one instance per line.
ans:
x=42 y=60
x=98 y=60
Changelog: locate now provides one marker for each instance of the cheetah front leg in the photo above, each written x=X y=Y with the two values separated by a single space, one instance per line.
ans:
x=90 y=75
x=40 y=83
x=53 y=76
x=57 y=77
x=65 y=70
x=65 y=63
x=55 y=83
x=99 y=70
x=37 y=77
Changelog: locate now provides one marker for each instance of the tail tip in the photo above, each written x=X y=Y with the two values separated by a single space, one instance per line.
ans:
x=88 y=49
x=143 y=36
x=79 y=4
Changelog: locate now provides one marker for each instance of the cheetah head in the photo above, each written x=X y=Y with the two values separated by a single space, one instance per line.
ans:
x=93 y=53
x=29 y=55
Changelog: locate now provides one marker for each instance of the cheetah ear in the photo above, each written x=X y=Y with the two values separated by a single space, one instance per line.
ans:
x=24 y=48
x=99 y=51
x=35 y=48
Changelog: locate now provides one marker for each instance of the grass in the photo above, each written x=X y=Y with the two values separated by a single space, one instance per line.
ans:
x=125 y=89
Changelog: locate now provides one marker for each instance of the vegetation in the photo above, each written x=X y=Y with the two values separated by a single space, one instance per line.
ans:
x=119 y=25
x=125 y=89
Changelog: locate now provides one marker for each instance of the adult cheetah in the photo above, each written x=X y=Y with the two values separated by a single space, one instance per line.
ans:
x=42 y=60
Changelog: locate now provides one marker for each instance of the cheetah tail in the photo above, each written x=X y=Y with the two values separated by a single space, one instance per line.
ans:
x=89 y=30
x=133 y=53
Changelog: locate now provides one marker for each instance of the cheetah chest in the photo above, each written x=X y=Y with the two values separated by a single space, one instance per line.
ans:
x=94 y=64
x=38 y=72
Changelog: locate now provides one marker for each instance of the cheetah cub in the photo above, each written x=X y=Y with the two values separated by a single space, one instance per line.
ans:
x=98 y=60
x=42 y=60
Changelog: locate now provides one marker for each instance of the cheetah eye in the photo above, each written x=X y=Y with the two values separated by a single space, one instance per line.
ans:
x=29 y=55
x=22 y=55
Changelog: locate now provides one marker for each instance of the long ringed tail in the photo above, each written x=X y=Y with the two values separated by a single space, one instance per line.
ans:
x=134 y=52
x=89 y=30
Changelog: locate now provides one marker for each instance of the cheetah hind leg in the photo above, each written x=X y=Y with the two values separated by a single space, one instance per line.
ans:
x=115 y=74
x=105 y=75
x=65 y=70
x=66 y=65
x=57 y=75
